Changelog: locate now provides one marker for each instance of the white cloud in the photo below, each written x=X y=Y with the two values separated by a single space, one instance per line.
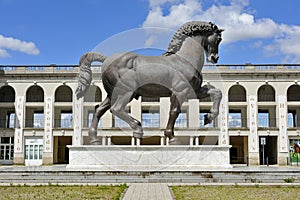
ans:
x=154 y=3
x=238 y=21
x=9 y=43
x=3 y=53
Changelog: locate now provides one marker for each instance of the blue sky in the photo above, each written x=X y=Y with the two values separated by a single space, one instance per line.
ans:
x=59 y=32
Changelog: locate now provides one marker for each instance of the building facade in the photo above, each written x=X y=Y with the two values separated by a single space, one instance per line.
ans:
x=40 y=114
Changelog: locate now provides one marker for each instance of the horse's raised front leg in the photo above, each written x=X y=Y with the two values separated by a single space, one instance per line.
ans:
x=216 y=96
x=173 y=114
x=99 y=111
x=118 y=109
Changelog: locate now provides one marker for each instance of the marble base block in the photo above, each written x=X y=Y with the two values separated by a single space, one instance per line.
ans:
x=148 y=158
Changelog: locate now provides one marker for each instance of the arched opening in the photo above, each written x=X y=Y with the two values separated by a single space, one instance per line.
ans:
x=35 y=94
x=7 y=112
x=206 y=99
x=93 y=94
x=7 y=94
x=63 y=94
x=34 y=114
x=266 y=93
x=150 y=99
x=237 y=93
x=293 y=93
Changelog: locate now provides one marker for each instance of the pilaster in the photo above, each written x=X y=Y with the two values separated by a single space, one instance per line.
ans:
x=193 y=113
x=19 y=134
x=164 y=109
x=136 y=109
x=48 y=135
x=253 y=144
x=77 y=123
x=283 y=136
x=223 y=113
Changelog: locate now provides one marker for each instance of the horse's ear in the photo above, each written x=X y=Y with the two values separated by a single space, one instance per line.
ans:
x=221 y=30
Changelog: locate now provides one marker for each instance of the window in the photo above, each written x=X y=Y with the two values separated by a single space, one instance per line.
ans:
x=7 y=148
x=181 y=120
x=90 y=119
x=7 y=118
x=119 y=123
x=235 y=118
x=38 y=119
x=267 y=117
x=10 y=120
x=263 y=118
x=66 y=119
x=201 y=119
x=292 y=118
x=150 y=117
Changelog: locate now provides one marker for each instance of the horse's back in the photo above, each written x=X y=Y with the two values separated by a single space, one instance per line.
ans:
x=147 y=75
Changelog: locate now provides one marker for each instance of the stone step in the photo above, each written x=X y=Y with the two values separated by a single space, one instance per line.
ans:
x=162 y=177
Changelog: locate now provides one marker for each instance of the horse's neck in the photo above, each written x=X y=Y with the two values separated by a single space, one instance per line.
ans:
x=192 y=51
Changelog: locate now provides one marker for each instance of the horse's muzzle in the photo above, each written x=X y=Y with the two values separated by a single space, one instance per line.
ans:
x=213 y=59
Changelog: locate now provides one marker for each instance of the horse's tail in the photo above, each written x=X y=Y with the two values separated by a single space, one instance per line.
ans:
x=85 y=74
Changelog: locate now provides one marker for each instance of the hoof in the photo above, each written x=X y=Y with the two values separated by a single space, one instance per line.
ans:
x=95 y=142
x=169 y=133
x=206 y=120
x=174 y=141
x=138 y=135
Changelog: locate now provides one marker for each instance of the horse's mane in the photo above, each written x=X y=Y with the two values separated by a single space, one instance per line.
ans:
x=187 y=30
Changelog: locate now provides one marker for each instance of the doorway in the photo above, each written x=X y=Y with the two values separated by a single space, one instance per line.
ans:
x=268 y=150
x=33 y=151
x=61 y=151
x=239 y=149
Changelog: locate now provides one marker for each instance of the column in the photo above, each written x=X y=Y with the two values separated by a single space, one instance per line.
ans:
x=193 y=113
x=223 y=113
x=283 y=136
x=136 y=109
x=77 y=123
x=164 y=109
x=48 y=135
x=253 y=145
x=107 y=118
x=19 y=135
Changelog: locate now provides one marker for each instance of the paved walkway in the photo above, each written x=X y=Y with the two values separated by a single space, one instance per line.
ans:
x=148 y=191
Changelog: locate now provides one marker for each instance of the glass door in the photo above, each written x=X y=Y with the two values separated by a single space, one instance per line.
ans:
x=33 y=151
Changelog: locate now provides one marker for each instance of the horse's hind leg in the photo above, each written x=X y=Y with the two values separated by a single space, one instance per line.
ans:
x=99 y=111
x=173 y=114
x=118 y=109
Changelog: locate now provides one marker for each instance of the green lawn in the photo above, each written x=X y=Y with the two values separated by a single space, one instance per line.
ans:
x=52 y=192
x=235 y=192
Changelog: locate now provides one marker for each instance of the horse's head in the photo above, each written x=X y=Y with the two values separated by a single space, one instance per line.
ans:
x=211 y=44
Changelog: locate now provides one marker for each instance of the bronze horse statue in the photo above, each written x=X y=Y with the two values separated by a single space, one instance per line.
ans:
x=175 y=74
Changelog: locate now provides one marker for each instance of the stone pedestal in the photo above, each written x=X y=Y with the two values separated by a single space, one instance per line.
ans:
x=148 y=158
